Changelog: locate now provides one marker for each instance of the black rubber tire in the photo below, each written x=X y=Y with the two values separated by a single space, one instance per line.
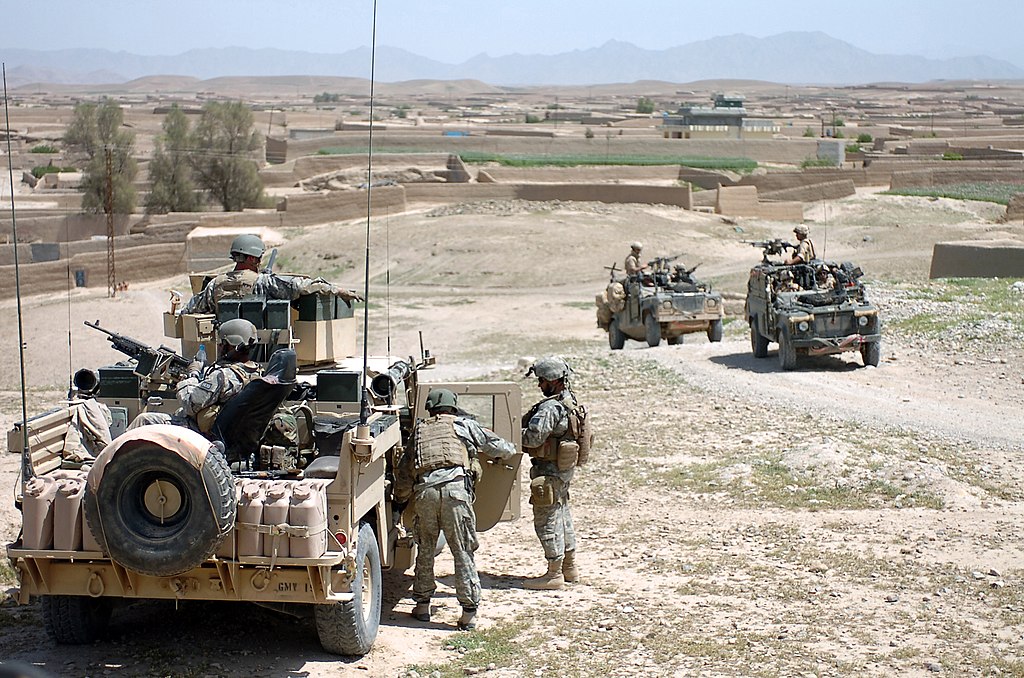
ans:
x=75 y=620
x=871 y=353
x=652 y=330
x=676 y=341
x=140 y=540
x=616 y=339
x=787 y=353
x=349 y=628
x=715 y=331
x=758 y=342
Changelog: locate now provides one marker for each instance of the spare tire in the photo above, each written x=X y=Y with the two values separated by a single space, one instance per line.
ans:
x=160 y=500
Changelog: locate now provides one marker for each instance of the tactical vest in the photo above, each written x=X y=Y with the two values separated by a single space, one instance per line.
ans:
x=437 y=446
x=234 y=284
x=577 y=431
x=245 y=373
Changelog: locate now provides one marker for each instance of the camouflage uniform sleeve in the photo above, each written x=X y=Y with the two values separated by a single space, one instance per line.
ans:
x=201 y=302
x=549 y=419
x=273 y=286
x=217 y=386
x=805 y=251
x=479 y=439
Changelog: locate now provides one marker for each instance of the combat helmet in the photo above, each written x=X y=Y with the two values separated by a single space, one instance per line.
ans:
x=248 y=245
x=550 y=368
x=440 y=398
x=801 y=229
x=237 y=332
x=636 y=246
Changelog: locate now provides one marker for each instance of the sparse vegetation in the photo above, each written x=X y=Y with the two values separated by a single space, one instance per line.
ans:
x=951 y=155
x=809 y=132
x=39 y=171
x=170 y=171
x=988 y=191
x=532 y=119
x=44 y=148
x=97 y=131
x=737 y=164
x=224 y=146
x=645 y=105
x=816 y=162
x=864 y=138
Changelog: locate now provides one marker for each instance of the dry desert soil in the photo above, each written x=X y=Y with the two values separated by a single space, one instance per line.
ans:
x=734 y=520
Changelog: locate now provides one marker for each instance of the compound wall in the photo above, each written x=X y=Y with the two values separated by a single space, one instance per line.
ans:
x=978 y=259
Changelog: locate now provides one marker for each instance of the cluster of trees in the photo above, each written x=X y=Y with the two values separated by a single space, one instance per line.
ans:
x=215 y=159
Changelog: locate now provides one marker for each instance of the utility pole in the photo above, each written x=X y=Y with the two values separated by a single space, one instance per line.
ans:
x=109 y=209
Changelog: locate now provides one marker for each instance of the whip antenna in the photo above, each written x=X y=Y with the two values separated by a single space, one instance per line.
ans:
x=364 y=404
x=26 y=455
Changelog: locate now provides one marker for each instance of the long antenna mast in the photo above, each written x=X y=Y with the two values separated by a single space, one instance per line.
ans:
x=26 y=455
x=364 y=404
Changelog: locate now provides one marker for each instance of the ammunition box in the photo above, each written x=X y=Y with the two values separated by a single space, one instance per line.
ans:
x=252 y=310
x=342 y=308
x=278 y=314
x=324 y=340
x=338 y=386
x=197 y=328
x=316 y=307
x=228 y=309
x=118 y=381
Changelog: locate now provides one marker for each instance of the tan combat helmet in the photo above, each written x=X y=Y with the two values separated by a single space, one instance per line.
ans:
x=636 y=246
x=238 y=332
x=801 y=229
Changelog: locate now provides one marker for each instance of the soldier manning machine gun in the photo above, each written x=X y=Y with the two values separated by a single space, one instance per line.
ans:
x=771 y=247
x=160 y=365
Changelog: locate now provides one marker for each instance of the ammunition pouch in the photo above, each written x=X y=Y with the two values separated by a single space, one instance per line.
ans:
x=206 y=418
x=568 y=455
x=548 y=451
x=278 y=458
x=542 y=490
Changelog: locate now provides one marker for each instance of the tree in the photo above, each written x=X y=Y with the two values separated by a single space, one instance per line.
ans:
x=224 y=151
x=645 y=105
x=170 y=172
x=97 y=132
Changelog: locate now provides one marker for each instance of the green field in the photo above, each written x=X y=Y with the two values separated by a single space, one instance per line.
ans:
x=987 y=191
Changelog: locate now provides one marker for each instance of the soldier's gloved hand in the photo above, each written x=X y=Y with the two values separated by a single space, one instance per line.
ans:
x=347 y=295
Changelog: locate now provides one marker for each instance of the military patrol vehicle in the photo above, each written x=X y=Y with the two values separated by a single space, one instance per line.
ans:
x=163 y=512
x=816 y=308
x=665 y=301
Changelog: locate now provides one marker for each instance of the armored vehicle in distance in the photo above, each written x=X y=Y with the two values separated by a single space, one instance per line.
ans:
x=811 y=309
x=664 y=302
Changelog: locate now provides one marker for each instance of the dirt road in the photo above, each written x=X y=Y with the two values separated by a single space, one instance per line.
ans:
x=735 y=519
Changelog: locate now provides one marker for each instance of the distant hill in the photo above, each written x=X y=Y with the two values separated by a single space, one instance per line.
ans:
x=795 y=58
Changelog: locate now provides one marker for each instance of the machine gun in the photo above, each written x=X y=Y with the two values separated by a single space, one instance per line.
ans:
x=661 y=263
x=160 y=365
x=771 y=247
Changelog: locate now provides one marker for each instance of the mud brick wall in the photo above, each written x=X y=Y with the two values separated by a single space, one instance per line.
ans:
x=678 y=196
x=978 y=259
x=953 y=175
x=706 y=179
x=322 y=208
x=305 y=167
x=561 y=175
x=131 y=264
x=738 y=201
x=65 y=227
x=1015 y=209
x=793 y=212
x=829 y=190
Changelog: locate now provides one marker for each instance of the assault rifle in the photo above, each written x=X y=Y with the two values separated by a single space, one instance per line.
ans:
x=160 y=365
x=771 y=247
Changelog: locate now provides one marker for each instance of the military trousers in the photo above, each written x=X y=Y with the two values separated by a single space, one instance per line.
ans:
x=446 y=508
x=553 y=523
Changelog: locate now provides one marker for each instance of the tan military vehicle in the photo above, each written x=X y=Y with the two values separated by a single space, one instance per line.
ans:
x=163 y=513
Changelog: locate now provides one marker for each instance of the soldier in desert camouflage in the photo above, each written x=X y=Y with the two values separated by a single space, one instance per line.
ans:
x=246 y=279
x=439 y=472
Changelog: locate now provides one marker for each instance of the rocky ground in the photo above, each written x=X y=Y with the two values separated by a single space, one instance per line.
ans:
x=734 y=519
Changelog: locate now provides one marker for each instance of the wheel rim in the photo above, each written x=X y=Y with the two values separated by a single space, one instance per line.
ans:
x=366 y=591
x=162 y=500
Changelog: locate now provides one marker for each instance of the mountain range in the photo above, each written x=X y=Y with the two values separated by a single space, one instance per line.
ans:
x=794 y=58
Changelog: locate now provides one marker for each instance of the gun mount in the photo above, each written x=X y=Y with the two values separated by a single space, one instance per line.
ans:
x=774 y=247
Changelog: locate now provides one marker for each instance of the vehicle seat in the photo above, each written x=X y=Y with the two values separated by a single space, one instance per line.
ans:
x=243 y=419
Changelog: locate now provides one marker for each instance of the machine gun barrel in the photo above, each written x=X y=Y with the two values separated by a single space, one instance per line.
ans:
x=771 y=247
x=158 y=364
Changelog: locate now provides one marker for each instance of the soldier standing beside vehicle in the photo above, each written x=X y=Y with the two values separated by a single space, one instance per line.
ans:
x=805 y=248
x=205 y=389
x=632 y=264
x=246 y=279
x=439 y=471
x=556 y=435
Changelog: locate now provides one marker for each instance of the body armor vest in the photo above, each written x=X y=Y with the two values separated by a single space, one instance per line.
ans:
x=234 y=284
x=437 y=446
x=577 y=431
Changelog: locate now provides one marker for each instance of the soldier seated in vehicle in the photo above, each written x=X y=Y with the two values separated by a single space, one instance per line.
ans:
x=823 y=278
x=246 y=279
x=206 y=389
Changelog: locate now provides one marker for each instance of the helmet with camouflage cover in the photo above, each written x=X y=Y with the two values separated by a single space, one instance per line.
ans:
x=550 y=368
x=440 y=398
x=248 y=245
x=238 y=332
x=801 y=229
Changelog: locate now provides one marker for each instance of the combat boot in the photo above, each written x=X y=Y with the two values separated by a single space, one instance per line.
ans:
x=421 y=612
x=552 y=580
x=467 y=622
x=570 y=572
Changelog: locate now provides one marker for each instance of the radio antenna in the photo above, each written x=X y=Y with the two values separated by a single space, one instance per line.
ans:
x=26 y=455
x=364 y=403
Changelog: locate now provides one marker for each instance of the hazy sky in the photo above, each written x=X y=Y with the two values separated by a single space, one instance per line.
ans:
x=452 y=31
